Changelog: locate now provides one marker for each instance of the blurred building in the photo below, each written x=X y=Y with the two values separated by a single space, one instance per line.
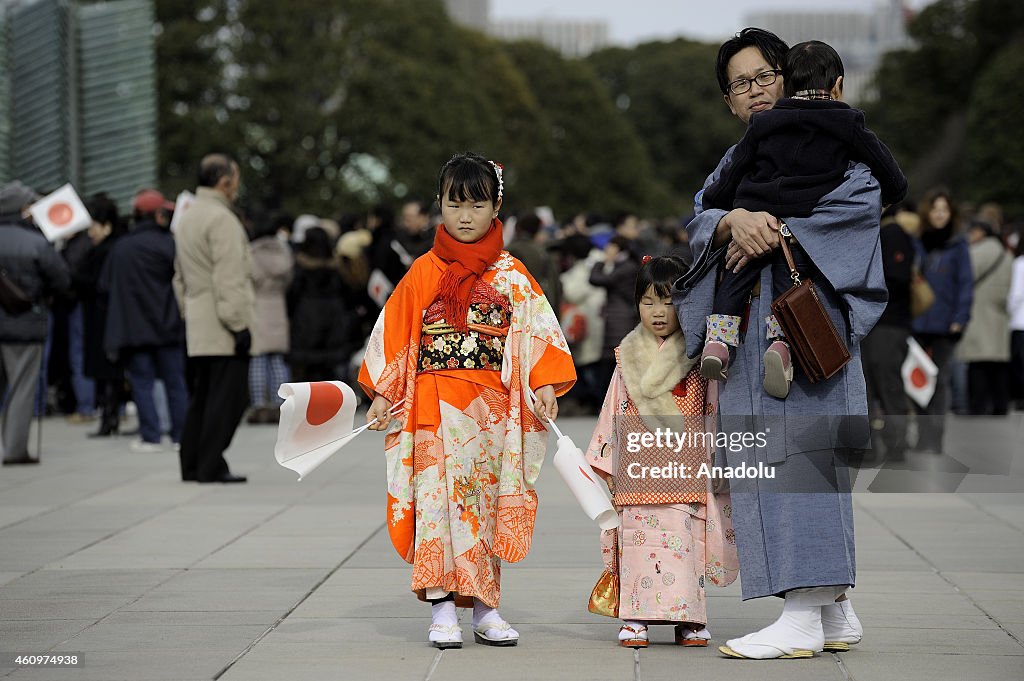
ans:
x=78 y=98
x=571 y=38
x=472 y=13
x=860 y=38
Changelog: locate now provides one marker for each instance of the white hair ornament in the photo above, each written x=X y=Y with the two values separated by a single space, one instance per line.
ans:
x=498 y=170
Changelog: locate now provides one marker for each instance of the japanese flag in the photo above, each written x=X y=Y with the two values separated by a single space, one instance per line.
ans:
x=181 y=204
x=61 y=214
x=919 y=374
x=379 y=287
x=584 y=484
x=316 y=421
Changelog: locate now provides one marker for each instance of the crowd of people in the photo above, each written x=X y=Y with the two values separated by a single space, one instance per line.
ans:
x=109 y=329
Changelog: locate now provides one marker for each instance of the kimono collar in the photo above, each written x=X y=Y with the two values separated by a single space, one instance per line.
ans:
x=652 y=369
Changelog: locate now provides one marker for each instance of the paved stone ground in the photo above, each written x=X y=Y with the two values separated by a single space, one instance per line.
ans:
x=104 y=552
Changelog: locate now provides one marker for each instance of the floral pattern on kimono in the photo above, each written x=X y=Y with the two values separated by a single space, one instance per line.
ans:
x=465 y=450
x=665 y=553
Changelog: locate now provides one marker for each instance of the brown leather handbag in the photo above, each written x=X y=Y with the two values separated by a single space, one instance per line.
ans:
x=922 y=296
x=819 y=351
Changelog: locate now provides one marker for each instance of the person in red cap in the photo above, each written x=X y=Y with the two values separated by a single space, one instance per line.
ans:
x=149 y=202
x=144 y=329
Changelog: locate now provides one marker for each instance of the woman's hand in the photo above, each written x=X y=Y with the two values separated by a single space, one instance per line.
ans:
x=379 y=410
x=546 y=406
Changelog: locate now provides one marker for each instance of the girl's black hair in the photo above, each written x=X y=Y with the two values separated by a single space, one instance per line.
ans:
x=468 y=177
x=661 y=273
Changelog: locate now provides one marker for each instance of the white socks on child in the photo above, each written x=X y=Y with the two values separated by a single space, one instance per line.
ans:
x=444 y=631
x=443 y=613
x=488 y=622
x=636 y=630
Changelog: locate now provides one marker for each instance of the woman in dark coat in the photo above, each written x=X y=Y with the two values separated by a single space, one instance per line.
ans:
x=617 y=274
x=318 y=312
x=106 y=228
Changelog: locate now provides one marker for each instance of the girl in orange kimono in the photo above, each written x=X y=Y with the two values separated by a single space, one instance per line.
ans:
x=461 y=339
x=676 y=533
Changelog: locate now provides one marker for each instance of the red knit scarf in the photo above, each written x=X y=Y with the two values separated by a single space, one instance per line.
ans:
x=466 y=263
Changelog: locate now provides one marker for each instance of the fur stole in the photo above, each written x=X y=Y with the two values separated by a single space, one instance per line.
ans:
x=651 y=370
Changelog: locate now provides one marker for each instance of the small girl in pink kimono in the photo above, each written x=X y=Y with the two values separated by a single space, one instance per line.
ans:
x=676 y=533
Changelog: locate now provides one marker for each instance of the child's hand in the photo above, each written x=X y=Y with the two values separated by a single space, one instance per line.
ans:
x=735 y=258
x=379 y=410
x=546 y=405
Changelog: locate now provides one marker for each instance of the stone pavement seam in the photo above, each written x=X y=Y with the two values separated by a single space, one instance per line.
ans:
x=993 y=516
x=302 y=600
x=943 y=577
x=842 y=667
x=433 y=665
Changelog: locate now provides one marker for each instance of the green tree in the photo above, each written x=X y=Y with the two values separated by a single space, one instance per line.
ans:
x=190 y=87
x=669 y=93
x=995 y=147
x=350 y=102
x=925 y=94
x=592 y=158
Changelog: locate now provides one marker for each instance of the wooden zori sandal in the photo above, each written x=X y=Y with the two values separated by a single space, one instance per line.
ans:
x=638 y=638
x=694 y=638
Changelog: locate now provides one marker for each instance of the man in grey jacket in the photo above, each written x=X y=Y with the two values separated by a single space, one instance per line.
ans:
x=30 y=263
x=213 y=284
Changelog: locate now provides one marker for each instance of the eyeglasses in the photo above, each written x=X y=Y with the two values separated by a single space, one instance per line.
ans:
x=764 y=79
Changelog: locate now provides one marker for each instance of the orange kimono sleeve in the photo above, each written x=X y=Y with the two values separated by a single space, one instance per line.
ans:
x=545 y=354
x=391 y=351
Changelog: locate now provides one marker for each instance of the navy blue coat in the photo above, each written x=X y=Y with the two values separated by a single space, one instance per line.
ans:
x=948 y=271
x=137 y=277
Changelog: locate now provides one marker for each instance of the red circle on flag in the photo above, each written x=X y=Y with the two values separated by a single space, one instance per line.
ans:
x=918 y=378
x=60 y=214
x=325 y=400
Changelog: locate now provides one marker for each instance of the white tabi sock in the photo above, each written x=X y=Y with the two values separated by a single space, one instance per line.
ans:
x=797 y=629
x=639 y=630
x=840 y=623
x=443 y=613
x=484 y=615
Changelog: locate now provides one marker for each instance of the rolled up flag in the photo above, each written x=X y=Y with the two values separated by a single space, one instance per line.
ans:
x=584 y=484
x=581 y=480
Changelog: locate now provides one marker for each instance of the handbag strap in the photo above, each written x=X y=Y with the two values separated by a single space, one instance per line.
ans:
x=985 y=275
x=784 y=233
